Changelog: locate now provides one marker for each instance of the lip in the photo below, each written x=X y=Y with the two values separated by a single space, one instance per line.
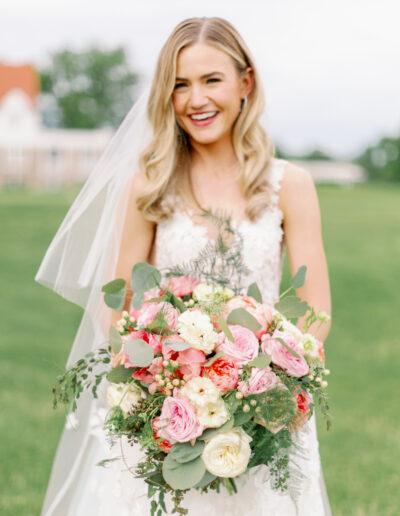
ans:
x=202 y=123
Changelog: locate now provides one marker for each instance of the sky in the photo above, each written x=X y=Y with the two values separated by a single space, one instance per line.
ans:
x=330 y=68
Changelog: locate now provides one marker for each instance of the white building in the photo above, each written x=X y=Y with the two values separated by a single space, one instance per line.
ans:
x=31 y=154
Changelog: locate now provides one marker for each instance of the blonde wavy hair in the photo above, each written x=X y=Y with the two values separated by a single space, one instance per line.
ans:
x=166 y=159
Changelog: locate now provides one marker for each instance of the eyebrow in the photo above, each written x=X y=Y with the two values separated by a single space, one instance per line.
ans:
x=205 y=76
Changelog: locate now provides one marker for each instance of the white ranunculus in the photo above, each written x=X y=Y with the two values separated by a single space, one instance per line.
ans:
x=124 y=395
x=213 y=415
x=309 y=345
x=196 y=329
x=292 y=329
x=201 y=391
x=207 y=292
x=227 y=454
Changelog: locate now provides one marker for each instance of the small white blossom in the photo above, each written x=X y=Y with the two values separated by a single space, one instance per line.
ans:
x=196 y=329
x=213 y=415
x=201 y=391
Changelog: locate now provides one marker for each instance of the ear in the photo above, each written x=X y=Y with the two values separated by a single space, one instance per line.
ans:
x=247 y=82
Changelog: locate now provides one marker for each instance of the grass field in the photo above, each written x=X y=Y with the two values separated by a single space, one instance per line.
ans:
x=360 y=454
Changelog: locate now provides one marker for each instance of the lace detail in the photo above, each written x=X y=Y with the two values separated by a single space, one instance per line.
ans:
x=114 y=490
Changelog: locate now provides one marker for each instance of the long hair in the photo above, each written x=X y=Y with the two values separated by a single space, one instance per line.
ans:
x=166 y=158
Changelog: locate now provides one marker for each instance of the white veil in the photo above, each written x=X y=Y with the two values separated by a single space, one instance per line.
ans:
x=80 y=259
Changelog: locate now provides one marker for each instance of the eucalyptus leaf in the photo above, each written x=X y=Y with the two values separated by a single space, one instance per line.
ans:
x=137 y=300
x=225 y=328
x=177 y=345
x=217 y=355
x=299 y=278
x=185 y=452
x=260 y=362
x=115 y=340
x=291 y=307
x=185 y=475
x=115 y=301
x=177 y=303
x=254 y=292
x=120 y=374
x=210 y=432
x=292 y=351
x=207 y=479
x=243 y=318
x=158 y=324
x=242 y=417
x=140 y=353
x=114 y=286
x=144 y=277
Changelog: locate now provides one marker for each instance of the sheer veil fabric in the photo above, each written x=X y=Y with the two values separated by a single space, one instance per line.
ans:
x=80 y=259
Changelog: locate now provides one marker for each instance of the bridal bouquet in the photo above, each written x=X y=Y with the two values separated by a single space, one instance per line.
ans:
x=207 y=381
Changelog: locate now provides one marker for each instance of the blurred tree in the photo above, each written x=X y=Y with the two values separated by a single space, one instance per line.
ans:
x=382 y=161
x=316 y=155
x=87 y=89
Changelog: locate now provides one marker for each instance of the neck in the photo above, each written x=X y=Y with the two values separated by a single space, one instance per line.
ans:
x=216 y=160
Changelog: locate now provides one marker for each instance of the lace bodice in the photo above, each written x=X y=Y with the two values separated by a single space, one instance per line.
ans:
x=179 y=239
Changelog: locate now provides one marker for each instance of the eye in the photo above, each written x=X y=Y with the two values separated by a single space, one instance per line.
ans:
x=213 y=79
x=179 y=85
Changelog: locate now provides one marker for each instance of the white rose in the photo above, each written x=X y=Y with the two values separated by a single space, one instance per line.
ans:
x=309 y=345
x=196 y=329
x=124 y=395
x=292 y=329
x=206 y=292
x=213 y=415
x=227 y=454
x=201 y=391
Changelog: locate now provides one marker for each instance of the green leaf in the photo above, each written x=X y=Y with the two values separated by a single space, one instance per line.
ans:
x=144 y=277
x=158 y=324
x=242 y=417
x=183 y=476
x=260 y=362
x=114 y=286
x=115 y=301
x=185 y=452
x=115 y=340
x=291 y=307
x=254 y=292
x=120 y=374
x=292 y=351
x=299 y=278
x=177 y=302
x=207 y=479
x=177 y=345
x=225 y=328
x=210 y=432
x=213 y=359
x=140 y=353
x=243 y=318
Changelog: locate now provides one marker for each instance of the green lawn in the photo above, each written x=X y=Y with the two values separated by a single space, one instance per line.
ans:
x=360 y=454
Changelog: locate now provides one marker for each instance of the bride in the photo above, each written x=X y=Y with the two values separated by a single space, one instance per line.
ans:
x=194 y=142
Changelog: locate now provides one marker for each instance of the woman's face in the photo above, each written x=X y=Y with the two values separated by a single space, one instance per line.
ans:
x=208 y=92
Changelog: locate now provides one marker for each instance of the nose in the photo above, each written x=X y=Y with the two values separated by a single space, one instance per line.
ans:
x=198 y=99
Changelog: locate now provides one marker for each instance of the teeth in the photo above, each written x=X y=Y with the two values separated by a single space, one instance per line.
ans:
x=203 y=116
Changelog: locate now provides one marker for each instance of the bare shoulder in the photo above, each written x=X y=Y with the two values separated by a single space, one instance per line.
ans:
x=297 y=187
x=139 y=183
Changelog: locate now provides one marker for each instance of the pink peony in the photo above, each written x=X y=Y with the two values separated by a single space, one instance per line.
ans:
x=245 y=347
x=178 y=420
x=261 y=380
x=224 y=373
x=191 y=361
x=303 y=406
x=151 y=294
x=263 y=313
x=281 y=356
x=150 y=310
x=181 y=285
x=164 y=445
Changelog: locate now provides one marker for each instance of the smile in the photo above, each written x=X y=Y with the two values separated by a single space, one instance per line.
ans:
x=201 y=119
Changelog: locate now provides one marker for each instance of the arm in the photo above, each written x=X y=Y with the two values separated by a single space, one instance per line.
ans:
x=136 y=241
x=302 y=229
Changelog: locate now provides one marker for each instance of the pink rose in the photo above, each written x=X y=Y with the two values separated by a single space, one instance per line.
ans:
x=178 y=421
x=261 y=380
x=191 y=361
x=281 y=356
x=150 y=310
x=164 y=445
x=152 y=339
x=224 y=373
x=167 y=352
x=151 y=294
x=303 y=406
x=181 y=285
x=263 y=313
x=243 y=349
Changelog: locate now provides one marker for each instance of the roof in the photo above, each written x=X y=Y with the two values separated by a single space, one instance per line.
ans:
x=24 y=77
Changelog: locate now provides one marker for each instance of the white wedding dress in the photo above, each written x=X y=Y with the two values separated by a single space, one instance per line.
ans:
x=92 y=490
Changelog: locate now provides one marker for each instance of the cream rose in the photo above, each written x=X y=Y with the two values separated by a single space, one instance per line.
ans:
x=124 y=395
x=201 y=391
x=196 y=329
x=213 y=415
x=227 y=454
